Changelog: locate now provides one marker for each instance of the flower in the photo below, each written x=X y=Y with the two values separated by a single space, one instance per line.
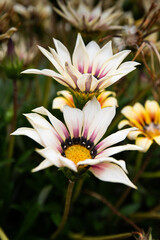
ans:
x=87 y=18
x=91 y=69
x=75 y=146
x=146 y=119
x=105 y=98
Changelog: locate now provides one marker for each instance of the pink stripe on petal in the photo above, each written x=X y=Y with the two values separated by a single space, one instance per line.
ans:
x=81 y=68
x=97 y=72
x=76 y=132
x=93 y=136
x=103 y=73
x=85 y=132
x=90 y=69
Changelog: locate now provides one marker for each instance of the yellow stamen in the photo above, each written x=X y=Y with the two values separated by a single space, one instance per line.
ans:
x=77 y=153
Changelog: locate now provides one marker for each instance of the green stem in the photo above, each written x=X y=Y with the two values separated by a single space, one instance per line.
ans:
x=66 y=210
x=78 y=189
x=3 y=235
x=111 y=237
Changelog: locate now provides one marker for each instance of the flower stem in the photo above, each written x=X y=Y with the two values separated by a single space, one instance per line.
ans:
x=114 y=210
x=110 y=237
x=66 y=210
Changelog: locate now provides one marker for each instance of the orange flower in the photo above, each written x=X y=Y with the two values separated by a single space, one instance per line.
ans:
x=105 y=98
x=146 y=119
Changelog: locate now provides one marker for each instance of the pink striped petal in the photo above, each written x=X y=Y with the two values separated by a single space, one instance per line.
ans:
x=45 y=130
x=100 y=123
x=111 y=172
x=59 y=127
x=90 y=110
x=114 y=150
x=87 y=83
x=80 y=56
x=74 y=120
x=113 y=139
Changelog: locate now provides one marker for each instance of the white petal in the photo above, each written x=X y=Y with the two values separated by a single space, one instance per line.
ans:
x=96 y=161
x=113 y=139
x=80 y=56
x=57 y=159
x=100 y=123
x=50 y=155
x=45 y=164
x=74 y=120
x=47 y=72
x=65 y=162
x=92 y=49
x=90 y=110
x=114 y=150
x=111 y=172
x=104 y=54
x=58 y=125
x=62 y=51
x=29 y=132
x=72 y=74
x=53 y=58
x=45 y=130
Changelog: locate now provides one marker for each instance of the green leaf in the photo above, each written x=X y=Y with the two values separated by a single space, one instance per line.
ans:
x=29 y=220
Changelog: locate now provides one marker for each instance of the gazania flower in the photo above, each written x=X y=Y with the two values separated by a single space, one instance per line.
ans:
x=76 y=145
x=146 y=120
x=87 y=18
x=91 y=68
x=105 y=98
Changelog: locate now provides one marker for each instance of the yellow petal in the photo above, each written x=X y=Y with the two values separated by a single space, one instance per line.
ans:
x=157 y=139
x=123 y=123
x=132 y=135
x=109 y=102
x=144 y=143
x=142 y=114
x=152 y=107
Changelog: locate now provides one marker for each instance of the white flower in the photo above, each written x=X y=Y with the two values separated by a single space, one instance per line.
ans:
x=76 y=145
x=91 y=68
x=88 y=18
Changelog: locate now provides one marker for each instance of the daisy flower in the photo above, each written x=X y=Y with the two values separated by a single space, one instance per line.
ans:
x=105 y=98
x=147 y=121
x=75 y=145
x=87 y=18
x=91 y=68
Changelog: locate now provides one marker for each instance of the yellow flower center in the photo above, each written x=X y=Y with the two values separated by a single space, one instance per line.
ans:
x=77 y=153
x=153 y=130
